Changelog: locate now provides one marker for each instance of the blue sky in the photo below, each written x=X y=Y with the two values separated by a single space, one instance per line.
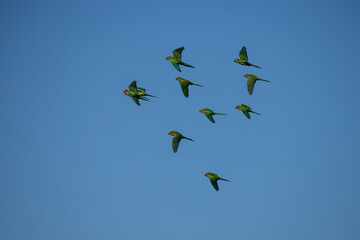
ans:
x=79 y=160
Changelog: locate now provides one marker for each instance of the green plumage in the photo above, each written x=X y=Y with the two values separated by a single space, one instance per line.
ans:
x=244 y=58
x=251 y=82
x=209 y=114
x=176 y=59
x=245 y=110
x=214 y=178
x=176 y=139
x=184 y=83
x=136 y=93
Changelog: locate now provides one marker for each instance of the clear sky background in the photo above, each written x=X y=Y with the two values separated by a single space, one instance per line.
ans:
x=80 y=160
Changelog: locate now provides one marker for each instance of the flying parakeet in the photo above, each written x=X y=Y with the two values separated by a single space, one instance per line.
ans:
x=214 y=178
x=246 y=109
x=176 y=59
x=244 y=58
x=251 y=82
x=209 y=114
x=176 y=139
x=137 y=93
x=184 y=83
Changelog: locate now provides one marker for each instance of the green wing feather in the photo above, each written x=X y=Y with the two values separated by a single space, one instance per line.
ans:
x=176 y=65
x=243 y=54
x=132 y=87
x=177 y=53
x=136 y=100
x=210 y=117
x=250 y=85
x=215 y=184
x=246 y=114
x=175 y=144
x=185 y=89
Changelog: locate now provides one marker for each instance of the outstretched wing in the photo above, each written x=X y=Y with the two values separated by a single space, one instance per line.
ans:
x=246 y=114
x=185 y=89
x=175 y=144
x=251 y=85
x=210 y=117
x=215 y=184
x=132 y=87
x=176 y=65
x=177 y=53
x=136 y=100
x=243 y=54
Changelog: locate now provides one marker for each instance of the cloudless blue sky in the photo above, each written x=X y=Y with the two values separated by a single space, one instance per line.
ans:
x=79 y=159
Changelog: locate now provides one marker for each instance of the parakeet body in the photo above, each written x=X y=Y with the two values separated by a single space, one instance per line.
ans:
x=184 y=83
x=209 y=114
x=176 y=59
x=137 y=93
x=245 y=110
x=244 y=58
x=214 y=178
x=176 y=139
x=251 y=82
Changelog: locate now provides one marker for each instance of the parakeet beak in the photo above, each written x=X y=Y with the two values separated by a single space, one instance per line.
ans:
x=244 y=75
x=234 y=60
x=167 y=58
x=169 y=133
x=206 y=174
x=177 y=78
x=200 y=110
x=124 y=91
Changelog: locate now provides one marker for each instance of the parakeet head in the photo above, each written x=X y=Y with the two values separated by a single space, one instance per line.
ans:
x=125 y=91
x=245 y=75
x=237 y=107
x=167 y=58
x=171 y=133
x=201 y=110
x=206 y=174
x=177 y=79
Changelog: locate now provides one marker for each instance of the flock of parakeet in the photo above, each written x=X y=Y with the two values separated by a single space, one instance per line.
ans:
x=137 y=93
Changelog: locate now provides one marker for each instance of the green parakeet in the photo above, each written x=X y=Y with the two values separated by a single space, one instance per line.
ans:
x=176 y=139
x=246 y=109
x=184 y=83
x=251 y=82
x=209 y=114
x=244 y=58
x=176 y=59
x=214 y=178
x=137 y=93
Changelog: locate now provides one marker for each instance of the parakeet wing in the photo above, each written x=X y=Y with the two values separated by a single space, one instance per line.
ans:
x=185 y=89
x=132 y=87
x=176 y=65
x=210 y=117
x=243 y=54
x=175 y=144
x=177 y=53
x=250 y=86
x=136 y=100
x=215 y=184
x=246 y=114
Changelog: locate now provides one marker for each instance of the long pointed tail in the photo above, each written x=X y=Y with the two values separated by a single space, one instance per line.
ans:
x=254 y=112
x=220 y=114
x=197 y=84
x=188 y=138
x=151 y=95
x=144 y=98
x=263 y=80
x=224 y=179
x=254 y=65
x=186 y=65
